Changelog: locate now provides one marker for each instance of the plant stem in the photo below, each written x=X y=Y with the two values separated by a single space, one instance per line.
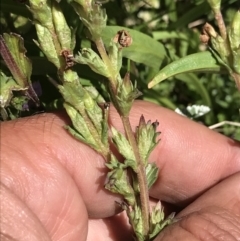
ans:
x=141 y=175
x=221 y=24
x=236 y=77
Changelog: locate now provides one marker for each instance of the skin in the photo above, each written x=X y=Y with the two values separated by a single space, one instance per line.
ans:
x=52 y=185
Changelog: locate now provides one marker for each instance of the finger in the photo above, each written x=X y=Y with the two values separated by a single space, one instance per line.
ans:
x=41 y=183
x=213 y=216
x=116 y=228
x=18 y=222
x=177 y=156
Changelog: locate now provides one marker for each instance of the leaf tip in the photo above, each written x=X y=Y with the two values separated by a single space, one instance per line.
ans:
x=150 y=84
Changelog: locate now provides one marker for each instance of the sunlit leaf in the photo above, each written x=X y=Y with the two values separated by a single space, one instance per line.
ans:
x=203 y=61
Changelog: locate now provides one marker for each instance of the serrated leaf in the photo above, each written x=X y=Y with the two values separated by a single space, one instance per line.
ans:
x=81 y=130
x=203 y=61
x=157 y=221
x=151 y=173
x=146 y=135
x=95 y=94
x=143 y=49
x=92 y=59
x=115 y=56
x=122 y=144
x=63 y=32
x=81 y=100
x=118 y=182
x=46 y=44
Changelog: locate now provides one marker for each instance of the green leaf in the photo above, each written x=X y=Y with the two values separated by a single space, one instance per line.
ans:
x=122 y=144
x=151 y=173
x=143 y=49
x=88 y=118
x=20 y=66
x=118 y=182
x=8 y=84
x=81 y=100
x=92 y=59
x=147 y=138
x=13 y=53
x=63 y=32
x=46 y=44
x=80 y=130
x=157 y=221
x=203 y=61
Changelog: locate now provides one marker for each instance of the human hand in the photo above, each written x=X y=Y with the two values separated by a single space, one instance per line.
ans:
x=52 y=185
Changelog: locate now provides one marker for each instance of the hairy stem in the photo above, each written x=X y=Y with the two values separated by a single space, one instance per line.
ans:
x=237 y=79
x=141 y=174
x=221 y=24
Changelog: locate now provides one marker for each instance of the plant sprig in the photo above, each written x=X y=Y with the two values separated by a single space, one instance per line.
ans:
x=88 y=111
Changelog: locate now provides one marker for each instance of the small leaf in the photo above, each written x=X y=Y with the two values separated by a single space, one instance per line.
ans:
x=13 y=52
x=88 y=118
x=81 y=130
x=151 y=173
x=95 y=94
x=117 y=181
x=46 y=44
x=95 y=20
x=74 y=94
x=20 y=66
x=126 y=94
x=115 y=56
x=203 y=61
x=122 y=144
x=146 y=135
x=8 y=84
x=157 y=222
x=92 y=59
x=62 y=30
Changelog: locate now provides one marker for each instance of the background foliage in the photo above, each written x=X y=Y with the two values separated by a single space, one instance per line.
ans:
x=173 y=28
